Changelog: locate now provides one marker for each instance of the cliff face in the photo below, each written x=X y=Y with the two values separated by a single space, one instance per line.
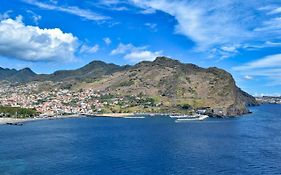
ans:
x=173 y=83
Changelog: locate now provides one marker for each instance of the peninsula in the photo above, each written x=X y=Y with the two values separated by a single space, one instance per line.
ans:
x=164 y=85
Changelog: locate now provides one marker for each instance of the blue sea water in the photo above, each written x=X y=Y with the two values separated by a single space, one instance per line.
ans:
x=84 y=146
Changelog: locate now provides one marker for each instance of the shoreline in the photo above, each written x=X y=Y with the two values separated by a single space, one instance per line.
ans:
x=15 y=121
x=114 y=115
x=20 y=121
x=5 y=121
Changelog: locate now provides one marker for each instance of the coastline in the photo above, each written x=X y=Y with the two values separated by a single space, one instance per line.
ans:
x=20 y=121
x=4 y=121
x=14 y=121
x=117 y=115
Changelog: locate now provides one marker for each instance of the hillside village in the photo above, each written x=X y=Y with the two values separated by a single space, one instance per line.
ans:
x=164 y=85
x=66 y=102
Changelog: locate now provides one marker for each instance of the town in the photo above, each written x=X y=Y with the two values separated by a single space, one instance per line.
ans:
x=60 y=101
x=269 y=99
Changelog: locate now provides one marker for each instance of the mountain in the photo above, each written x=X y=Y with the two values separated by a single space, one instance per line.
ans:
x=93 y=70
x=13 y=75
x=175 y=84
x=89 y=72
x=169 y=82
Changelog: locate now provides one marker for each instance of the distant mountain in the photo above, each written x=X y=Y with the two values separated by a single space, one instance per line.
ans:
x=89 y=72
x=13 y=75
x=93 y=70
x=168 y=81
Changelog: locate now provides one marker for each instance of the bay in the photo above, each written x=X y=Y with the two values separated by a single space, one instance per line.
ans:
x=155 y=145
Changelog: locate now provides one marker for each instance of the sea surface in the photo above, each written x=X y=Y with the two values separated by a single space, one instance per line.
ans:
x=84 y=146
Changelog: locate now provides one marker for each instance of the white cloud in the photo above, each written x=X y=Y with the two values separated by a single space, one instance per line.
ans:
x=152 y=26
x=270 y=61
x=142 y=55
x=85 y=49
x=148 y=11
x=86 y=14
x=200 y=21
x=223 y=52
x=135 y=54
x=213 y=25
x=269 y=66
x=32 y=43
x=122 y=49
x=107 y=41
x=229 y=48
x=5 y=15
x=275 y=11
x=36 y=18
x=271 y=25
x=248 y=77
x=109 y=2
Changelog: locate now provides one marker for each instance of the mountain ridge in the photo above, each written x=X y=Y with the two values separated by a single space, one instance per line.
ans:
x=171 y=83
x=93 y=70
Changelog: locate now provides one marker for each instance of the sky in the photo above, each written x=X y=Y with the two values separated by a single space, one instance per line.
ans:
x=242 y=37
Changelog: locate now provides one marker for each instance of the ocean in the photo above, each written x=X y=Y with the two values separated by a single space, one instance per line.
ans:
x=100 y=146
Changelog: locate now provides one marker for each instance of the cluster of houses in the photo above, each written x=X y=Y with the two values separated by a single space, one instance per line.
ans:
x=51 y=103
x=269 y=99
x=59 y=101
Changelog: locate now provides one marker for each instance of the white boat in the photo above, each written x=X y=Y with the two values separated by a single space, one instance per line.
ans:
x=193 y=118
x=180 y=116
x=132 y=117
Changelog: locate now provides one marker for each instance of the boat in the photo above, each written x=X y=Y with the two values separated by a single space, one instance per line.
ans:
x=197 y=117
x=180 y=116
x=132 y=117
x=16 y=124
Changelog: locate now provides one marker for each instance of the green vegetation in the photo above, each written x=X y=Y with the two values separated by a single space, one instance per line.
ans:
x=17 y=112
x=185 y=106
x=127 y=83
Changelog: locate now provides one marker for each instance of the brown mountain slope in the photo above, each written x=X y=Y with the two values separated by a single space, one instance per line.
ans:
x=173 y=84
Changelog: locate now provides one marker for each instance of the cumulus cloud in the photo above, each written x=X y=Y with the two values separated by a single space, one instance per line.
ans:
x=135 y=54
x=74 y=10
x=142 y=55
x=20 y=41
x=5 y=15
x=122 y=49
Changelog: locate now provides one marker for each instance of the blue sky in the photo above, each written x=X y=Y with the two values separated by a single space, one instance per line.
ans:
x=243 y=37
